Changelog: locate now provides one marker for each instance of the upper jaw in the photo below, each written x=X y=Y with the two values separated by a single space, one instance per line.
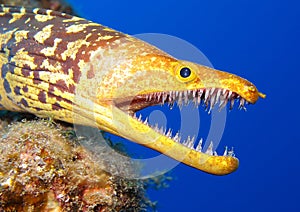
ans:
x=209 y=97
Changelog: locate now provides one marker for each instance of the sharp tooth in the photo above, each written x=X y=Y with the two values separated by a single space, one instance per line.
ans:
x=186 y=93
x=170 y=95
x=194 y=93
x=180 y=99
x=146 y=121
x=169 y=133
x=206 y=95
x=176 y=94
x=156 y=127
x=186 y=97
x=195 y=102
x=158 y=96
x=177 y=138
x=218 y=95
x=209 y=150
x=213 y=101
x=162 y=131
x=140 y=117
x=231 y=104
x=198 y=100
x=192 y=143
x=223 y=103
x=215 y=153
x=164 y=97
x=225 y=151
x=199 y=146
x=200 y=92
x=209 y=110
x=229 y=94
x=231 y=152
x=212 y=90
x=189 y=142
x=224 y=91
x=171 y=105
x=242 y=103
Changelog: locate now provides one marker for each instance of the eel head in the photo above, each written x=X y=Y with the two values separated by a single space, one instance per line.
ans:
x=159 y=79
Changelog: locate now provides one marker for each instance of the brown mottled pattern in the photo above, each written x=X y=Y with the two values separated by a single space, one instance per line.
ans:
x=42 y=45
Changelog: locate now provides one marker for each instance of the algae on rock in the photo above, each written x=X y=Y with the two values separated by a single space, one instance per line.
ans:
x=42 y=170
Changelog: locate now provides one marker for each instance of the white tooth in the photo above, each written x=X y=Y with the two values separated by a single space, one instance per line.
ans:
x=218 y=95
x=186 y=93
x=155 y=127
x=146 y=121
x=213 y=100
x=186 y=97
x=199 y=146
x=225 y=151
x=180 y=98
x=209 y=150
x=242 y=103
x=231 y=104
x=169 y=133
x=162 y=131
x=229 y=94
x=164 y=98
x=176 y=93
x=194 y=93
x=212 y=91
x=231 y=152
x=215 y=153
x=191 y=142
x=195 y=103
x=206 y=95
x=140 y=117
x=158 y=96
x=199 y=100
x=170 y=95
x=209 y=110
x=223 y=91
x=200 y=92
x=185 y=142
x=177 y=138
x=222 y=104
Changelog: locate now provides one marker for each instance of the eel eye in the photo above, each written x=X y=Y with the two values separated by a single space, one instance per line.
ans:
x=185 y=72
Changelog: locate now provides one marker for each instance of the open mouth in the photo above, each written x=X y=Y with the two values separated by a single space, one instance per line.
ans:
x=208 y=97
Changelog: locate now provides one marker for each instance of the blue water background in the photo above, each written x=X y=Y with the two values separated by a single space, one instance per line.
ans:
x=259 y=40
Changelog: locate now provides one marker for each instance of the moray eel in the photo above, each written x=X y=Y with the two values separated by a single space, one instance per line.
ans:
x=71 y=69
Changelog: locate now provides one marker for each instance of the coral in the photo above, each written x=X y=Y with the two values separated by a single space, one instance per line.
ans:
x=42 y=170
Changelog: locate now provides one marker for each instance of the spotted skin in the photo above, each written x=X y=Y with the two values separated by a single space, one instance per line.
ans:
x=68 y=68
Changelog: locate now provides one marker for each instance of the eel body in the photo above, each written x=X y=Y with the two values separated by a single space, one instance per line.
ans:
x=71 y=69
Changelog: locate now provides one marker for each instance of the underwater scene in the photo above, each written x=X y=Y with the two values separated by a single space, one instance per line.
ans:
x=225 y=140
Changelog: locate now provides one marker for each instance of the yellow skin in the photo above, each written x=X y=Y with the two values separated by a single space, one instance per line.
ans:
x=64 y=67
